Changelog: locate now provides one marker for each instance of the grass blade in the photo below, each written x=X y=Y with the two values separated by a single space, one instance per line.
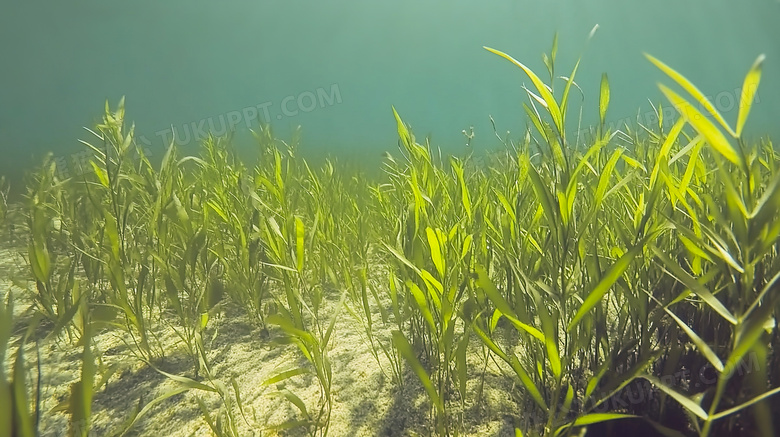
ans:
x=749 y=89
x=700 y=344
x=590 y=419
x=709 y=131
x=688 y=280
x=606 y=282
x=692 y=90
x=603 y=98
x=299 y=239
x=685 y=401
x=285 y=375
x=742 y=406
x=552 y=105
x=436 y=257
x=405 y=348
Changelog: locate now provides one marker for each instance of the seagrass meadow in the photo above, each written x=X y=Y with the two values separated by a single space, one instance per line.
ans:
x=598 y=281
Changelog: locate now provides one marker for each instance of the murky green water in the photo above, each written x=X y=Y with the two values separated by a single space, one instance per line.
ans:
x=336 y=67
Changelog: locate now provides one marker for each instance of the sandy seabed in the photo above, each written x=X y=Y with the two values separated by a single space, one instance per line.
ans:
x=366 y=401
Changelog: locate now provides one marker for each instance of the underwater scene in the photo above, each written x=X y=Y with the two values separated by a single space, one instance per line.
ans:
x=509 y=218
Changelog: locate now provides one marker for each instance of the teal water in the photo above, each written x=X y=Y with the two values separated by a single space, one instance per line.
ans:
x=336 y=67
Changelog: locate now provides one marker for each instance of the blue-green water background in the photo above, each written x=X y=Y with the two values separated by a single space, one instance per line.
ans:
x=180 y=62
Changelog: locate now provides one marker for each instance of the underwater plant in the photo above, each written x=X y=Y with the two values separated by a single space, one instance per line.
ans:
x=4 y=191
x=16 y=417
x=564 y=273
x=736 y=240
